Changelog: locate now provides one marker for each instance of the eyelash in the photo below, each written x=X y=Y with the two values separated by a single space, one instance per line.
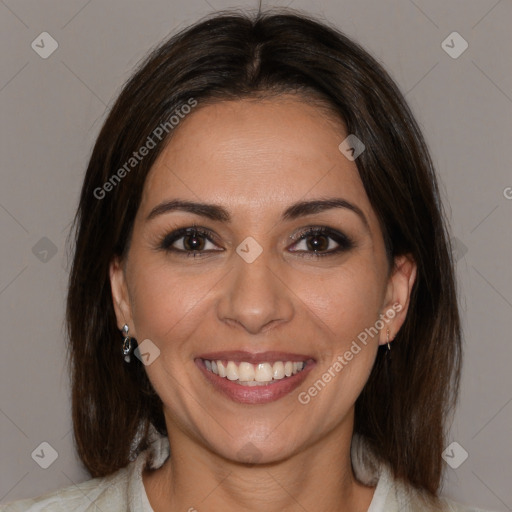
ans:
x=344 y=242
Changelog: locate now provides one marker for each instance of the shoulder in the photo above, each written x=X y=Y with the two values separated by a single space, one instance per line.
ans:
x=123 y=490
x=445 y=505
x=108 y=493
x=392 y=495
x=413 y=500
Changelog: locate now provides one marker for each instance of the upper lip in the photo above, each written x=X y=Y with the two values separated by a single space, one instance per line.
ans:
x=255 y=357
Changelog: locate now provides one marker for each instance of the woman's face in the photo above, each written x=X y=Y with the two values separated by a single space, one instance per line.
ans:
x=254 y=294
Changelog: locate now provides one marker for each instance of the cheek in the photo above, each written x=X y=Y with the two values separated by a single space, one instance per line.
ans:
x=347 y=301
x=167 y=308
x=349 y=306
x=163 y=300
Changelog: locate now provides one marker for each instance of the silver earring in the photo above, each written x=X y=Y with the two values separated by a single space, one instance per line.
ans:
x=387 y=339
x=127 y=343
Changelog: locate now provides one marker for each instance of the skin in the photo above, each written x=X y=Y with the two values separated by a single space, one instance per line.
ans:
x=255 y=158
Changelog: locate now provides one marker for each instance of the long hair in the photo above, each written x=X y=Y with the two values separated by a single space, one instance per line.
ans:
x=402 y=411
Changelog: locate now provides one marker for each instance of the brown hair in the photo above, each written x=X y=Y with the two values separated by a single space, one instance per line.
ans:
x=231 y=56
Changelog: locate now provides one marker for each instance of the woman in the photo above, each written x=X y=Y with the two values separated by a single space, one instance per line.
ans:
x=261 y=222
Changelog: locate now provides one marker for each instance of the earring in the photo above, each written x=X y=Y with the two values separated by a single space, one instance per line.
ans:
x=387 y=340
x=127 y=343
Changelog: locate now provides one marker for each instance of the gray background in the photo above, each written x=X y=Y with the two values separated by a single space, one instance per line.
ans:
x=52 y=110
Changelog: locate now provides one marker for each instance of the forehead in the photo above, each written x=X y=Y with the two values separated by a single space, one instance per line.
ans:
x=254 y=155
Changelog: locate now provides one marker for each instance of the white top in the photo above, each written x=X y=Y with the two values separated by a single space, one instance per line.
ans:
x=124 y=490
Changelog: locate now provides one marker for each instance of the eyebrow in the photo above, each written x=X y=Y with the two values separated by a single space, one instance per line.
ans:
x=219 y=213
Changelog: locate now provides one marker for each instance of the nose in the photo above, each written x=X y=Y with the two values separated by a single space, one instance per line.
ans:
x=255 y=296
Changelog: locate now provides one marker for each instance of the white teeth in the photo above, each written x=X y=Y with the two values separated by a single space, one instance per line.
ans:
x=246 y=372
x=221 y=369
x=249 y=374
x=231 y=371
x=252 y=383
x=263 y=372
x=278 y=370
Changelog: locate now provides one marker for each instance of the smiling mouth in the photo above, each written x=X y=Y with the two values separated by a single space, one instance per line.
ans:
x=255 y=378
x=248 y=374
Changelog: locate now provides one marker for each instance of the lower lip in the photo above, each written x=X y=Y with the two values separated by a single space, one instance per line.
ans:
x=255 y=394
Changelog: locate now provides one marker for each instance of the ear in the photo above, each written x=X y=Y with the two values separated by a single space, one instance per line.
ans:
x=398 y=293
x=120 y=296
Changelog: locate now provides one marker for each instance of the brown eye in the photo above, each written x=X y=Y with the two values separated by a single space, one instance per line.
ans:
x=317 y=242
x=322 y=241
x=191 y=241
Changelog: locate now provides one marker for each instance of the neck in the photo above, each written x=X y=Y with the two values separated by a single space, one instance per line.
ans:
x=317 y=478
